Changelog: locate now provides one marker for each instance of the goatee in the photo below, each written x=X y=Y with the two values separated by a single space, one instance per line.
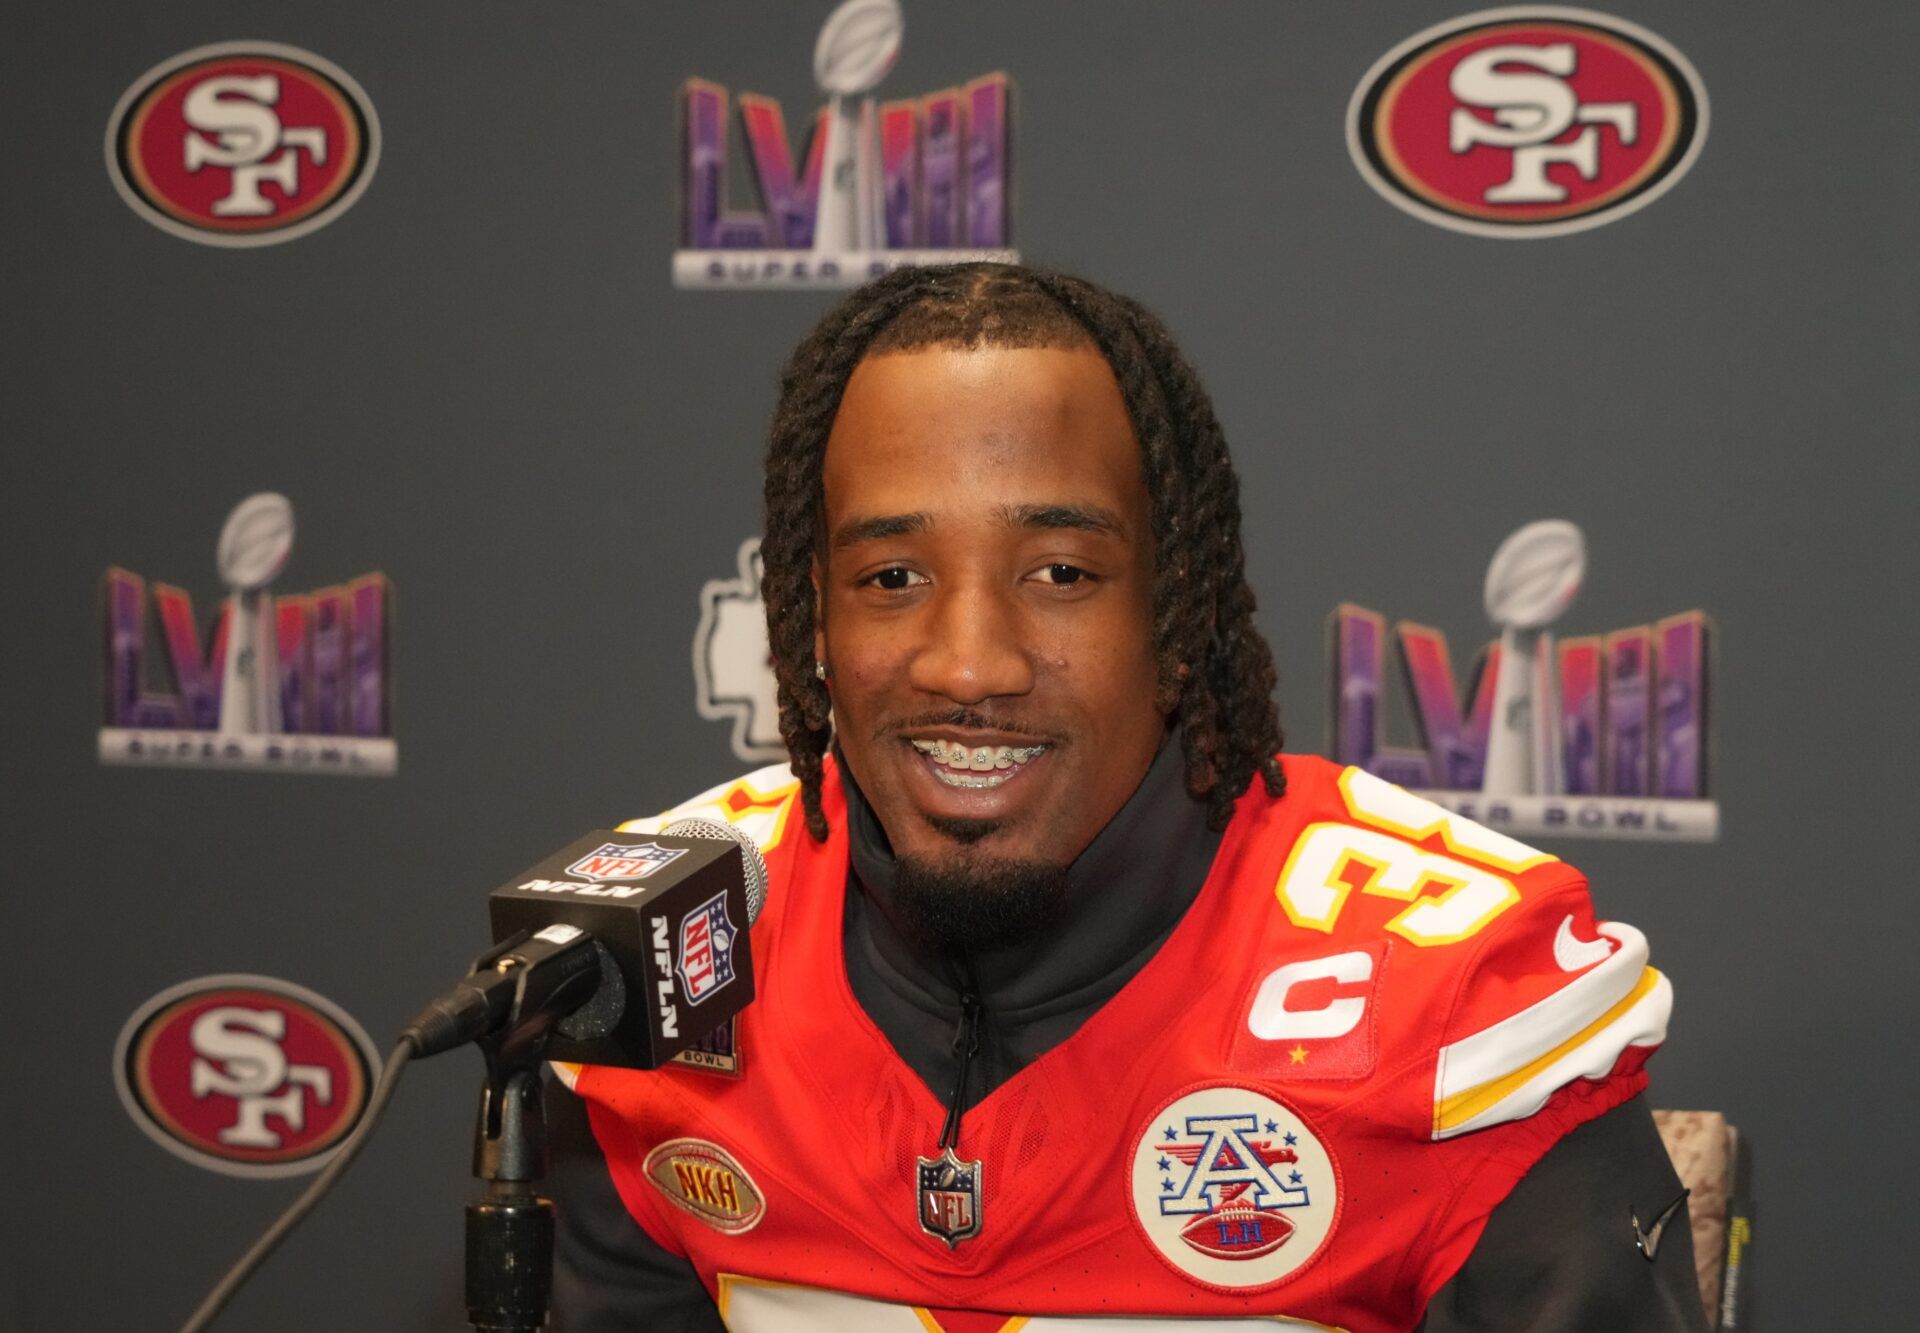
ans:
x=975 y=905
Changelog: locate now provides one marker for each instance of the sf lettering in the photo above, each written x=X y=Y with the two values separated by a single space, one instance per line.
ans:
x=237 y=1054
x=248 y=140
x=1531 y=111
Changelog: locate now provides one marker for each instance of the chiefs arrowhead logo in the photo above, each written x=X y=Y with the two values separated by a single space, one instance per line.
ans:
x=732 y=663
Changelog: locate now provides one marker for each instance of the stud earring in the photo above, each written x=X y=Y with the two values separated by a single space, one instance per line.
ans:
x=819 y=670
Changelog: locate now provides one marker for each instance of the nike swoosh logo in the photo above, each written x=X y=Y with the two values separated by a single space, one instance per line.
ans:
x=1648 y=1241
x=1573 y=954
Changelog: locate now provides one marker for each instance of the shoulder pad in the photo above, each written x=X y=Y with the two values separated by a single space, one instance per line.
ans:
x=759 y=804
x=1545 y=992
x=1378 y=858
x=1556 y=996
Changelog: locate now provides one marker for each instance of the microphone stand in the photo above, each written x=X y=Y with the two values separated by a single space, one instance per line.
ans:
x=510 y=1227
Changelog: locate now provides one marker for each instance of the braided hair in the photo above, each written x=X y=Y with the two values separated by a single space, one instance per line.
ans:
x=1216 y=673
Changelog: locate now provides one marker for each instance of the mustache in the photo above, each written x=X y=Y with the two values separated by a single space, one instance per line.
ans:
x=971 y=719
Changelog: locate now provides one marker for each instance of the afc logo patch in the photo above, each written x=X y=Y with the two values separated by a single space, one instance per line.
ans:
x=1232 y=1189
x=620 y=861
x=704 y=963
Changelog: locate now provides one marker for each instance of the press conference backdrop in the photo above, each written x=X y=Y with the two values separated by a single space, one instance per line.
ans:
x=459 y=334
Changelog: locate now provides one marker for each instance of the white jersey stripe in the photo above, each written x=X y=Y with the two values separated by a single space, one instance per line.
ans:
x=1639 y=1019
x=1518 y=1041
x=749 y=1305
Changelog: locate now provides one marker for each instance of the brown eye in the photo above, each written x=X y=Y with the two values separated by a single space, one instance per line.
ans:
x=1063 y=574
x=897 y=579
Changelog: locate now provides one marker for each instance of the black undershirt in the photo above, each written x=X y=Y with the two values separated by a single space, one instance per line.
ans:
x=1557 y=1255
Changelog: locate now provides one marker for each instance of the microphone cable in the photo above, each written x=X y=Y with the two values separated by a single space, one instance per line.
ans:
x=403 y=1051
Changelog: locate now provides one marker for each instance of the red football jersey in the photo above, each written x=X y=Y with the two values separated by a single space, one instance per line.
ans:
x=1375 y=1017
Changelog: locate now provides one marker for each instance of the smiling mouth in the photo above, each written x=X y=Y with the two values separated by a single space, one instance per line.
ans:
x=977 y=766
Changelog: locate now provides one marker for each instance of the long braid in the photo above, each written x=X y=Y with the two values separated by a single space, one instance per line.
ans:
x=1216 y=672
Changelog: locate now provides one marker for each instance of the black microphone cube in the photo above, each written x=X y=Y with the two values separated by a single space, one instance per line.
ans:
x=672 y=914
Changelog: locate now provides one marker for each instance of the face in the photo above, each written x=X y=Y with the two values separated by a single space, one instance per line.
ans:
x=985 y=592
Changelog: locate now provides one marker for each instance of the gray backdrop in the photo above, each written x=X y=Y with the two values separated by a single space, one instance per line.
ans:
x=480 y=381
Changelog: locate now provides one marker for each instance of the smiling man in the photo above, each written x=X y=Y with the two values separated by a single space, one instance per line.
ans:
x=1079 y=1002
x=986 y=607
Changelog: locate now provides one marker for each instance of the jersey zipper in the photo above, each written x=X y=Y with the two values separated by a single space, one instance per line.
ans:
x=966 y=1045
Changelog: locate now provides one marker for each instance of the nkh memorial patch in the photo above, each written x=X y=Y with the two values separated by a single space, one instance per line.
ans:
x=703 y=1178
x=619 y=860
x=705 y=961
x=1232 y=1189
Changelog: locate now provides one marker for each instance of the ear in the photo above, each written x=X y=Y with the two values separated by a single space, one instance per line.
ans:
x=1167 y=697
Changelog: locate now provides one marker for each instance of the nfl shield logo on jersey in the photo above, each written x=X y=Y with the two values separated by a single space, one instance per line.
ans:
x=949 y=1197
x=705 y=962
x=1233 y=1189
x=616 y=860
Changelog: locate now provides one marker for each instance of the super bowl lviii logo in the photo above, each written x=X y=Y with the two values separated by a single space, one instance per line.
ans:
x=1603 y=735
x=245 y=1075
x=242 y=144
x=1533 y=120
x=291 y=683
x=874 y=186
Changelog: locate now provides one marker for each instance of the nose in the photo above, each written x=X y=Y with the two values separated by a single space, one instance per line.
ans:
x=973 y=649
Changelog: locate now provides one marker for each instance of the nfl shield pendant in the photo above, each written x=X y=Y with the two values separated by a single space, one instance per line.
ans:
x=949 y=1197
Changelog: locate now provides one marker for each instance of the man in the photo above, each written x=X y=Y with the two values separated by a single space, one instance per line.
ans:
x=1076 y=1001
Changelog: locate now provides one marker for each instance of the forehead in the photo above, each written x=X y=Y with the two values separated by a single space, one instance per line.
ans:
x=944 y=429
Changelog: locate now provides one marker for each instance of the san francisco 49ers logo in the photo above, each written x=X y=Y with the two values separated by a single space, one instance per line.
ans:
x=1535 y=120
x=245 y=1075
x=242 y=144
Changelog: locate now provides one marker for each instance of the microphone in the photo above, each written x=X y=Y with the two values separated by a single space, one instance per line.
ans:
x=621 y=949
x=635 y=943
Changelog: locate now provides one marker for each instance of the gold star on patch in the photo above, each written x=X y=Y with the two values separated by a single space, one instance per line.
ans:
x=1299 y=1055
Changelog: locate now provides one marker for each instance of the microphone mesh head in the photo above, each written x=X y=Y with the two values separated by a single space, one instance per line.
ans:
x=755 y=863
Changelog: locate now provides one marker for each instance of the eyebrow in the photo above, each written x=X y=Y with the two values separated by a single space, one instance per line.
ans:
x=1079 y=518
x=855 y=531
x=1073 y=517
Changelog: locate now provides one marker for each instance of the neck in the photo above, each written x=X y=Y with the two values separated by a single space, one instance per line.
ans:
x=1124 y=895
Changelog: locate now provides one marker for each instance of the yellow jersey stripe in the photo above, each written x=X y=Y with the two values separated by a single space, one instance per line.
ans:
x=1463 y=1106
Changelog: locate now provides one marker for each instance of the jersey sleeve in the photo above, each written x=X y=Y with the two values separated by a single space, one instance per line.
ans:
x=1553 y=1019
x=1556 y=1253
x=1554 y=997
x=1526 y=1014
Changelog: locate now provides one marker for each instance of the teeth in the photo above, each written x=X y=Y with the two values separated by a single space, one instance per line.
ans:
x=977 y=759
x=973 y=780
